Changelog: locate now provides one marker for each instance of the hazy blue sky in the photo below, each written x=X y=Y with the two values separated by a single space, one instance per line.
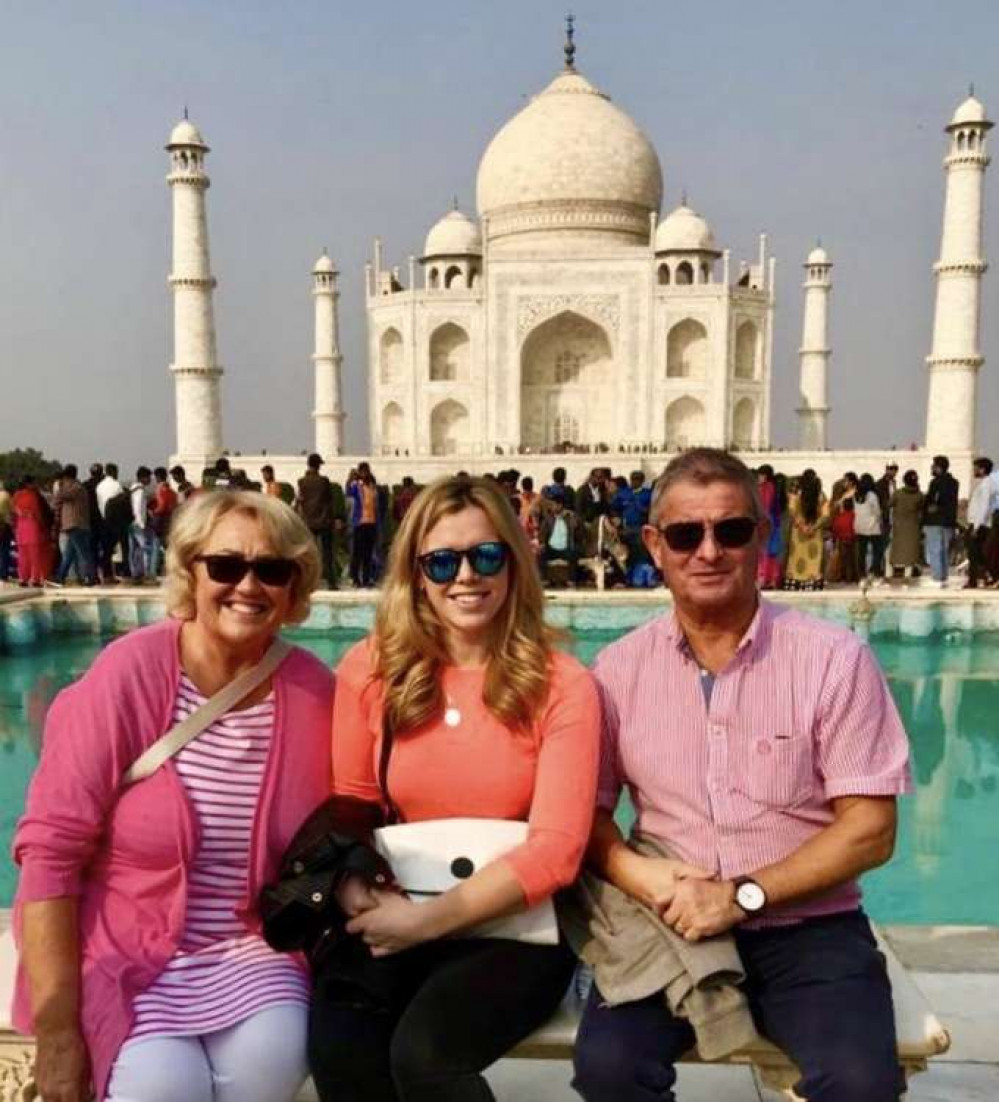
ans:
x=332 y=122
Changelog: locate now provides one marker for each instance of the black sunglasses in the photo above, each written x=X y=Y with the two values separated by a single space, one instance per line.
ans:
x=232 y=569
x=485 y=559
x=688 y=535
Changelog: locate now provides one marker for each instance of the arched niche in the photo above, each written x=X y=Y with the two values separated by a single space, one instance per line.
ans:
x=567 y=367
x=684 y=423
x=663 y=275
x=452 y=277
x=744 y=423
x=684 y=273
x=687 y=350
x=393 y=426
x=449 y=354
x=746 y=344
x=449 y=428
x=390 y=356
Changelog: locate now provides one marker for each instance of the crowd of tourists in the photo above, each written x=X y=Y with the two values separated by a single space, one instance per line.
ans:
x=225 y=844
x=861 y=529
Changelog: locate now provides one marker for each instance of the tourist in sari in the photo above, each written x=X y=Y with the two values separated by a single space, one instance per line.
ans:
x=772 y=554
x=32 y=524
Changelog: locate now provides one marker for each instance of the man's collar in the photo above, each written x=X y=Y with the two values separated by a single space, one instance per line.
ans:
x=753 y=637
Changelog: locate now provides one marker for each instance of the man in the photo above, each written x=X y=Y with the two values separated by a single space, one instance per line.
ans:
x=559 y=537
x=72 y=506
x=271 y=485
x=981 y=506
x=182 y=484
x=367 y=508
x=115 y=506
x=315 y=505
x=561 y=488
x=143 y=545
x=100 y=553
x=219 y=477
x=885 y=487
x=940 y=518
x=765 y=754
x=161 y=509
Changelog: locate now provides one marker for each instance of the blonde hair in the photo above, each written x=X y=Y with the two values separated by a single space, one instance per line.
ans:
x=193 y=522
x=410 y=642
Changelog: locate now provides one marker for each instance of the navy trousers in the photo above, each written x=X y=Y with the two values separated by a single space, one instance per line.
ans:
x=819 y=990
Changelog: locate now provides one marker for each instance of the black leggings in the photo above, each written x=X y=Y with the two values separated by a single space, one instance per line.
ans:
x=459 y=1006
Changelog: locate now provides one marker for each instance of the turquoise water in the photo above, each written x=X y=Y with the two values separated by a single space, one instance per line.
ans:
x=947 y=690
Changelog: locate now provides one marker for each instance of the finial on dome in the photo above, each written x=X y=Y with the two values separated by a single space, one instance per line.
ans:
x=570 y=46
x=454 y=202
x=185 y=111
x=971 y=88
x=683 y=198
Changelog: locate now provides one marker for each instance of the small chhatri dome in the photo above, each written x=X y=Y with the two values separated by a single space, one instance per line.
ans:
x=324 y=265
x=454 y=235
x=186 y=133
x=971 y=111
x=569 y=161
x=684 y=230
x=818 y=255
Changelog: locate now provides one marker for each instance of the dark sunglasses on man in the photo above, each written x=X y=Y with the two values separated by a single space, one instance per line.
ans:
x=486 y=559
x=232 y=569
x=685 y=536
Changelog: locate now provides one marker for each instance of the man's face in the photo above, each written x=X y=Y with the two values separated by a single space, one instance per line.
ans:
x=979 y=472
x=710 y=578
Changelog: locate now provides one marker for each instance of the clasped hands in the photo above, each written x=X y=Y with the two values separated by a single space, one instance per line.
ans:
x=689 y=899
x=385 y=918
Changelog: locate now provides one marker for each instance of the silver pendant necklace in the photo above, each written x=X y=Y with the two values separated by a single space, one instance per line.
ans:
x=452 y=714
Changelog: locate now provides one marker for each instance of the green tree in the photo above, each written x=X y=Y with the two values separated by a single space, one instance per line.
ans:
x=14 y=465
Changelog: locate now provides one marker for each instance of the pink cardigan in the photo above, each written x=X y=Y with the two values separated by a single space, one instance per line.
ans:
x=126 y=853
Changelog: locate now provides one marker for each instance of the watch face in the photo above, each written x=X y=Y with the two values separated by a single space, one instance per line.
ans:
x=750 y=897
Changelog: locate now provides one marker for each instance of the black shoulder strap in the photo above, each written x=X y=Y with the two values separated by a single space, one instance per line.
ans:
x=391 y=811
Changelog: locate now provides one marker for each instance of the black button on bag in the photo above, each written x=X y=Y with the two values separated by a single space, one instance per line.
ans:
x=462 y=868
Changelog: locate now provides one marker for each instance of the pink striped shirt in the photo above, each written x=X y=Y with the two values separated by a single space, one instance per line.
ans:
x=220 y=974
x=801 y=715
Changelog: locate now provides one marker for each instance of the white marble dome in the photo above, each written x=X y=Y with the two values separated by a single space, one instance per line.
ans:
x=684 y=230
x=569 y=161
x=454 y=235
x=324 y=265
x=818 y=255
x=186 y=133
x=971 y=111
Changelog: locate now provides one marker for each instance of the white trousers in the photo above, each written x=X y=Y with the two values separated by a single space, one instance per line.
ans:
x=261 y=1059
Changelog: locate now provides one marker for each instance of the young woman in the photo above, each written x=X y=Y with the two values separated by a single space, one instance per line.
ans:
x=809 y=517
x=868 y=526
x=488 y=720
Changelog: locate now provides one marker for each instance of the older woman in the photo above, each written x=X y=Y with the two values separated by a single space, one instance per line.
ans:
x=487 y=720
x=142 y=970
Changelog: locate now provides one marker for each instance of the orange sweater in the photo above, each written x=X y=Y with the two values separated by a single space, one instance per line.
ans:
x=480 y=768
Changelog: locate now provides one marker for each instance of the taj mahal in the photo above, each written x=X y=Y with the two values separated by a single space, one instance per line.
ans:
x=569 y=318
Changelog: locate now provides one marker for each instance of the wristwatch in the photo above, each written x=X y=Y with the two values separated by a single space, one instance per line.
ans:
x=749 y=895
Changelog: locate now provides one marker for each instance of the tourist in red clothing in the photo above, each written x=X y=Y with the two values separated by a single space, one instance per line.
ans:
x=845 y=567
x=488 y=721
x=32 y=522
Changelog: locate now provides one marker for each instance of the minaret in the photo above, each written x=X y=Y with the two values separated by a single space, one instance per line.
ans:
x=956 y=356
x=813 y=412
x=195 y=367
x=328 y=413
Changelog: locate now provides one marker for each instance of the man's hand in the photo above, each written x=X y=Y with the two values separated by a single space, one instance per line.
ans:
x=658 y=878
x=703 y=908
x=354 y=896
x=62 y=1067
x=394 y=924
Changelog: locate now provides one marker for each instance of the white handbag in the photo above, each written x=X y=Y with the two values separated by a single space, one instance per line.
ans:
x=431 y=857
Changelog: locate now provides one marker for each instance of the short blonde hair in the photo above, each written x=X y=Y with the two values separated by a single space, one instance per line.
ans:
x=410 y=641
x=193 y=522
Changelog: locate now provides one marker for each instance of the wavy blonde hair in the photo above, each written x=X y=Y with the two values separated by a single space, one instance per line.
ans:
x=193 y=522
x=409 y=640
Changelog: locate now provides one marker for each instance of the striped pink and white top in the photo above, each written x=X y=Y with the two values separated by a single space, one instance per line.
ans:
x=221 y=974
x=801 y=715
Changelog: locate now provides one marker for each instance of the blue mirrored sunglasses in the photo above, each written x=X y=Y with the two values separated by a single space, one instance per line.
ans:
x=485 y=559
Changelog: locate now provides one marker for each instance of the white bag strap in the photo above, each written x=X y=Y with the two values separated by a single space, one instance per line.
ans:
x=226 y=698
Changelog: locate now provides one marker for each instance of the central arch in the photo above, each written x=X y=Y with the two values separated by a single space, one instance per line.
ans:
x=746 y=341
x=567 y=370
